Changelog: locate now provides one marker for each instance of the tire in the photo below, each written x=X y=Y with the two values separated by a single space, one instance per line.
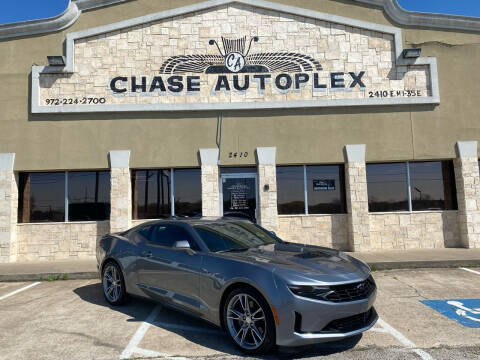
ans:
x=113 y=284
x=249 y=324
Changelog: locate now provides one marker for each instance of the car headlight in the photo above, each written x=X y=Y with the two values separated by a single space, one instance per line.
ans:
x=312 y=292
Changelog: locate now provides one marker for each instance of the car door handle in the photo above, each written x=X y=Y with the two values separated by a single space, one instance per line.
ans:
x=146 y=254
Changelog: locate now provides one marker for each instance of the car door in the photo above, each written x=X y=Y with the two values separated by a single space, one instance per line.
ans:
x=168 y=273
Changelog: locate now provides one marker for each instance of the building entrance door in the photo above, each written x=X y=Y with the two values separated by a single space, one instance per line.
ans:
x=239 y=195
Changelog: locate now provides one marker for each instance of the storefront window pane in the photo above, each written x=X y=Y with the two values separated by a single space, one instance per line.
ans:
x=326 y=189
x=41 y=197
x=88 y=195
x=290 y=190
x=433 y=185
x=188 y=192
x=151 y=194
x=387 y=187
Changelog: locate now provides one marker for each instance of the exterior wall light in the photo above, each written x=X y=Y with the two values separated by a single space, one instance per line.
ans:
x=411 y=53
x=56 y=60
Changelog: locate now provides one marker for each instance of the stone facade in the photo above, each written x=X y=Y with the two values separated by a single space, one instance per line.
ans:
x=267 y=188
x=120 y=191
x=8 y=209
x=415 y=230
x=59 y=241
x=210 y=182
x=467 y=178
x=357 y=198
x=322 y=230
x=141 y=50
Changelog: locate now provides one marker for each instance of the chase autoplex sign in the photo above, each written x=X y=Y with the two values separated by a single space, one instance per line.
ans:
x=286 y=71
x=210 y=57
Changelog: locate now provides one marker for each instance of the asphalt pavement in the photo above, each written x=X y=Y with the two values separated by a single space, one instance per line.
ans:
x=422 y=316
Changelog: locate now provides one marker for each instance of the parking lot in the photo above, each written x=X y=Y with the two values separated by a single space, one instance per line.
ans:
x=71 y=320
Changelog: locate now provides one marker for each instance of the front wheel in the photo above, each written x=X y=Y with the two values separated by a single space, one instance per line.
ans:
x=249 y=322
x=113 y=284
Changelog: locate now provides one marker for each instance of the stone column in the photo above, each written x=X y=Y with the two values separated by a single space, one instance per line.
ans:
x=267 y=188
x=8 y=209
x=120 y=191
x=210 y=182
x=357 y=198
x=467 y=180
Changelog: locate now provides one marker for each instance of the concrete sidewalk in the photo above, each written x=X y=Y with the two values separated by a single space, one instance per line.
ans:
x=379 y=260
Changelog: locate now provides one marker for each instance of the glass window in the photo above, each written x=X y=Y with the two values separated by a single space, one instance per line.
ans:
x=165 y=235
x=238 y=170
x=233 y=235
x=88 y=195
x=325 y=189
x=290 y=190
x=151 y=194
x=432 y=185
x=188 y=192
x=387 y=187
x=41 y=197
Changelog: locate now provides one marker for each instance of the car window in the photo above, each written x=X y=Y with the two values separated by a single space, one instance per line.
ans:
x=233 y=235
x=166 y=235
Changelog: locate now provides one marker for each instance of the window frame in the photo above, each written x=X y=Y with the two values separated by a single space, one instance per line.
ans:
x=171 y=172
x=66 y=201
x=305 y=190
x=409 y=187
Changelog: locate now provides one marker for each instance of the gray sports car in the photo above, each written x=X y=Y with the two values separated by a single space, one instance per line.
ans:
x=235 y=274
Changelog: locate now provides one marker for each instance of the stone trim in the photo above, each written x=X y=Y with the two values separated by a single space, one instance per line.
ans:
x=467 y=148
x=357 y=198
x=266 y=155
x=119 y=158
x=210 y=182
x=467 y=179
x=396 y=32
x=120 y=191
x=56 y=23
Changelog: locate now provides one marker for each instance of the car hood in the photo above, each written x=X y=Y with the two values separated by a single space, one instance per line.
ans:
x=299 y=263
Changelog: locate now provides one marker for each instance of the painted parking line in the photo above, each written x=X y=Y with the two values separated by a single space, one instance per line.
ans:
x=401 y=338
x=132 y=346
x=19 y=290
x=470 y=270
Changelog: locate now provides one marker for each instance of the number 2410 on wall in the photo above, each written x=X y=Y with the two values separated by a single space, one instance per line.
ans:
x=234 y=155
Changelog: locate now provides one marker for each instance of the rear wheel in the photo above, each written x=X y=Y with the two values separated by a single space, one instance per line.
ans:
x=113 y=284
x=249 y=322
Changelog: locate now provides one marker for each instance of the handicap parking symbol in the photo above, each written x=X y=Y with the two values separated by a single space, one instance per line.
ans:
x=463 y=311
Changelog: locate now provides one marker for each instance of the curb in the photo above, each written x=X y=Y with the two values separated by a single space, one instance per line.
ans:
x=422 y=264
x=375 y=266
x=86 y=275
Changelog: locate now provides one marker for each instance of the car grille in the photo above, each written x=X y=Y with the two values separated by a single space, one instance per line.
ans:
x=351 y=323
x=351 y=292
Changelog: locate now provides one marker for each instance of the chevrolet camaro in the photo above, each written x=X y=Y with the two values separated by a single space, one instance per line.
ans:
x=261 y=290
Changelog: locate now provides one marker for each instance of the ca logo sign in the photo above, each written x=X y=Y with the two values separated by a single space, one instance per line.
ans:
x=235 y=62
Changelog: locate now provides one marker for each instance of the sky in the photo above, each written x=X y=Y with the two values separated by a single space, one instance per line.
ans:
x=21 y=10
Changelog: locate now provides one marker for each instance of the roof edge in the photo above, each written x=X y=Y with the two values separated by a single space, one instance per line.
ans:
x=391 y=8
x=59 y=22
x=425 y=20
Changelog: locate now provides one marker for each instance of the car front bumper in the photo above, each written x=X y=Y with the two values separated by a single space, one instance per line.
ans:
x=322 y=321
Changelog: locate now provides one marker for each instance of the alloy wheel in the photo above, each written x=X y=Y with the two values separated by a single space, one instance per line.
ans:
x=246 y=321
x=112 y=283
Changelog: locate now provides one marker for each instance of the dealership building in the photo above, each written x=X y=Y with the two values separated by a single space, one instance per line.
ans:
x=350 y=124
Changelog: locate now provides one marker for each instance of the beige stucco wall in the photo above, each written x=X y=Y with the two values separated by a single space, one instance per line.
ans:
x=59 y=241
x=82 y=141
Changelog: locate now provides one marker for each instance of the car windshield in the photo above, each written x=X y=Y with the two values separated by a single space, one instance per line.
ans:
x=234 y=235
